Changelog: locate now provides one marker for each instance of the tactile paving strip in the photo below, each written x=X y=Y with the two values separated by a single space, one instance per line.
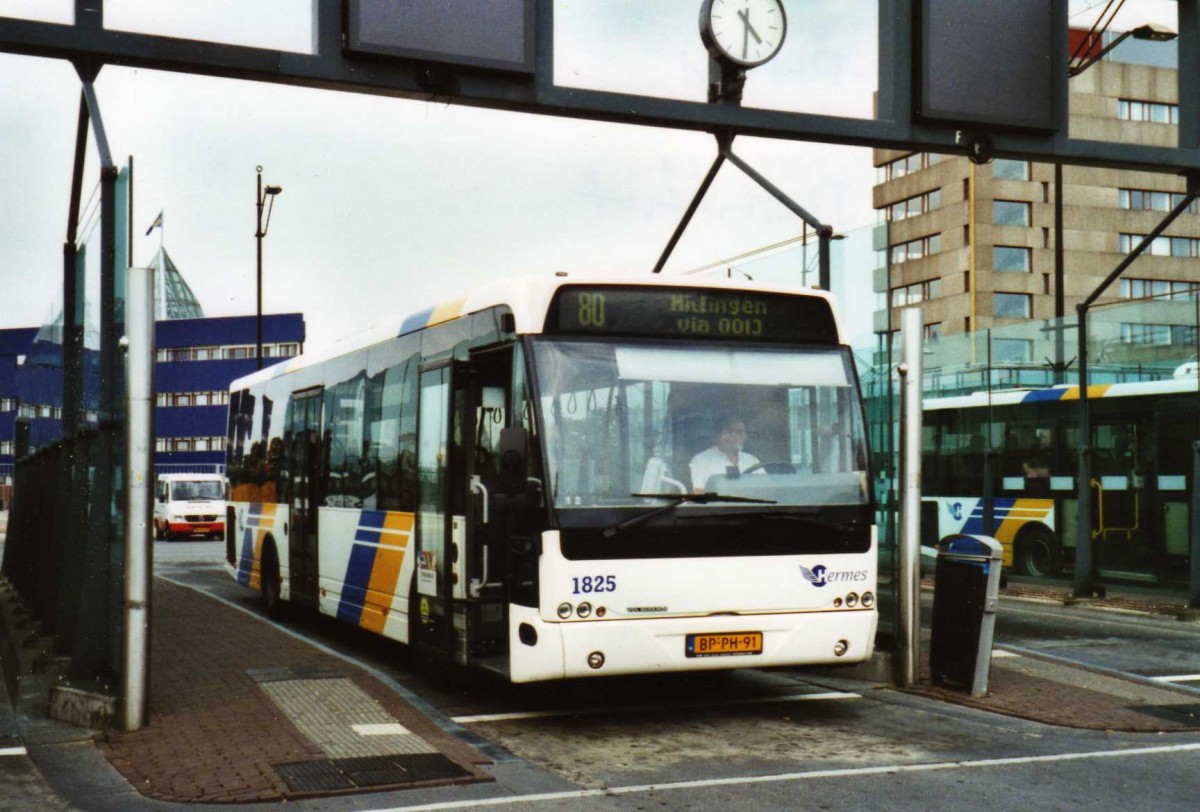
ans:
x=337 y=716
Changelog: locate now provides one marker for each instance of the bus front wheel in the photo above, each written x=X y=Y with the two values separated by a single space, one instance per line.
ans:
x=1038 y=554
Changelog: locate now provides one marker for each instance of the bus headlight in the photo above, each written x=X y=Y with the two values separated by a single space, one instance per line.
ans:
x=868 y=600
x=584 y=609
x=840 y=648
x=564 y=610
x=852 y=600
x=596 y=660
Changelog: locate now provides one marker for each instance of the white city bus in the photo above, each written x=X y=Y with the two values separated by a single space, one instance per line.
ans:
x=504 y=481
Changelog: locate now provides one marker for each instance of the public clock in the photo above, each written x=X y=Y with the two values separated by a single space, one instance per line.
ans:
x=744 y=32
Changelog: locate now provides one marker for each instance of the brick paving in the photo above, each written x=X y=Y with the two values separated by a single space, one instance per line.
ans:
x=213 y=733
x=1054 y=693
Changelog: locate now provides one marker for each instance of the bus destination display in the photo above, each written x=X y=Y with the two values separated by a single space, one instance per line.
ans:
x=692 y=313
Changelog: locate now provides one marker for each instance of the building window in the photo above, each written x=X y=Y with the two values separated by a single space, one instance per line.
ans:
x=915 y=249
x=7 y=448
x=1161 y=246
x=920 y=204
x=1006 y=169
x=1146 y=200
x=1160 y=335
x=906 y=166
x=1012 y=351
x=1012 y=305
x=1011 y=258
x=1010 y=213
x=1155 y=112
x=8 y=404
x=933 y=331
x=916 y=293
x=1156 y=288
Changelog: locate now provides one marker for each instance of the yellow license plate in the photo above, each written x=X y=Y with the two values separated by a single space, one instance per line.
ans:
x=723 y=645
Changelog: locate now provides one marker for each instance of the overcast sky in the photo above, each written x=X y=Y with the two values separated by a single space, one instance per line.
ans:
x=391 y=205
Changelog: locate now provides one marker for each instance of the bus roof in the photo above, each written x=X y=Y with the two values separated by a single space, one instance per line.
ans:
x=1062 y=393
x=529 y=298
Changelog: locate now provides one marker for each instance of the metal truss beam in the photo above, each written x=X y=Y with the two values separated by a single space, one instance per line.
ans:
x=330 y=67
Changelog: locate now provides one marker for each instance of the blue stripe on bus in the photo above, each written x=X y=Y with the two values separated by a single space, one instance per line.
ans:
x=246 y=562
x=416 y=321
x=1044 y=395
x=1000 y=509
x=358 y=570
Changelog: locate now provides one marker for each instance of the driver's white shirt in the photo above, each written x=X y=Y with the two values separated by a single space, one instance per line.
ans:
x=712 y=462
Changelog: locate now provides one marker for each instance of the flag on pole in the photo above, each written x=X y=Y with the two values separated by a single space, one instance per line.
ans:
x=156 y=224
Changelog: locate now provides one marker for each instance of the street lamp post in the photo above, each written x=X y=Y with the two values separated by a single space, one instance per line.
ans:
x=260 y=199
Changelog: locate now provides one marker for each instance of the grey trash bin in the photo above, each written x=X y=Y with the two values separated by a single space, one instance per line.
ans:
x=966 y=592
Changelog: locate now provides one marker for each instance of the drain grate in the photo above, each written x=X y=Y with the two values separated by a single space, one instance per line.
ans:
x=429 y=766
x=373 y=771
x=312 y=776
x=364 y=772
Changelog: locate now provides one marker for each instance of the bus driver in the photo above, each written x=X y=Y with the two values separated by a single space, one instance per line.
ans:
x=725 y=453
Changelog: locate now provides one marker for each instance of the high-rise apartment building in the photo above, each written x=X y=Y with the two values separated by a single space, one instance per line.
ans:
x=975 y=245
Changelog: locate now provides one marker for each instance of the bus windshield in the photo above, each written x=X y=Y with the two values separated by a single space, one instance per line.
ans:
x=625 y=420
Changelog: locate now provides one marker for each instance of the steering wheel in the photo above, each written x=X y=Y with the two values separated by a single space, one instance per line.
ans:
x=772 y=467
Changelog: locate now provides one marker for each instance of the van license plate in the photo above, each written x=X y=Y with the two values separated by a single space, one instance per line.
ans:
x=723 y=645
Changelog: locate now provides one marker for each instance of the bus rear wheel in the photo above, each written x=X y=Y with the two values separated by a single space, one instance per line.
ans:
x=1038 y=554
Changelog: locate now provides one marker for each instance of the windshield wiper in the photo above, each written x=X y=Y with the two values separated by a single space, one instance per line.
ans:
x=806 y=517
x=677 y=499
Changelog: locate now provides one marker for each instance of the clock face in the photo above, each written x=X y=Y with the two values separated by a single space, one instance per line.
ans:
x=745 y=32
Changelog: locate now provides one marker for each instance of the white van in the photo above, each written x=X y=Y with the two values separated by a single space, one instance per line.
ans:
x=189 y=505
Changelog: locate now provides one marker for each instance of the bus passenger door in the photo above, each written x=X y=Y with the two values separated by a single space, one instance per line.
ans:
x=482 y=395
x=460 y=592
x=305 y=467
x=431 y=603
x=1117 y=482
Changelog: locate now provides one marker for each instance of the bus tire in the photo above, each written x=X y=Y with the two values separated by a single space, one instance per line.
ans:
x=270 y=582
x=1038 y=554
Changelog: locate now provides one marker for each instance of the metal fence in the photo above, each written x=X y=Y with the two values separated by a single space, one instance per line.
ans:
x=63 y=548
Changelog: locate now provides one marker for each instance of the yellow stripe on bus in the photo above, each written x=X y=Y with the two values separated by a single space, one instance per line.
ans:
x=446 y=311
x=1094 y=391
x=1022 y=512
x=265 y=524
x=385 y=572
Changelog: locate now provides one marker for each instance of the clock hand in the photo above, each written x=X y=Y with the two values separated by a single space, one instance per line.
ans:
x=745 y=15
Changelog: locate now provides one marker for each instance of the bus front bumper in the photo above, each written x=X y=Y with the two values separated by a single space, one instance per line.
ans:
x=594 y=648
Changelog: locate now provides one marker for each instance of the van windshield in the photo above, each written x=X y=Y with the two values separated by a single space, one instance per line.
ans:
x=184 y=491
